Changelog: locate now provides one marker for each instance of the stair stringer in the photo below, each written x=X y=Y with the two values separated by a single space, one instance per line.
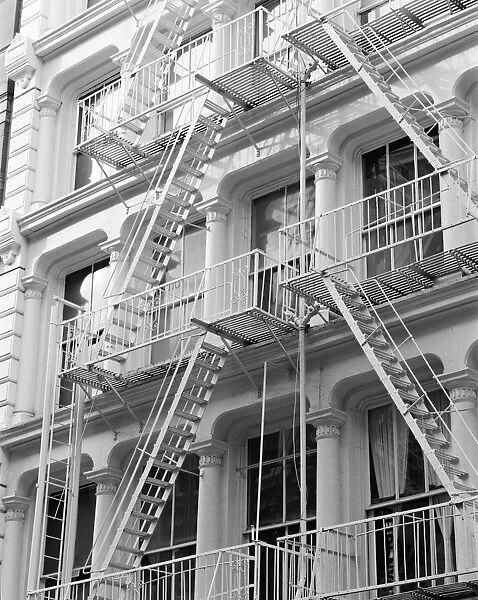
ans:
x=141 y=496
x=456 y=492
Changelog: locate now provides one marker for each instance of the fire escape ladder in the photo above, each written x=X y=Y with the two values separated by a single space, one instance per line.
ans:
x=380 y=350
x=159 y=456
x=383 y=91
x=171 y=195
x=160 y=31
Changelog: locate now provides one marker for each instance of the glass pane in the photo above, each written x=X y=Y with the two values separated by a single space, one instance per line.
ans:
x=86 y=520
x=292 y=479
x=272 y=448
x=382 y=456
x=186 y=500
x=401 y=163
x=271 y=495
x=267 y=219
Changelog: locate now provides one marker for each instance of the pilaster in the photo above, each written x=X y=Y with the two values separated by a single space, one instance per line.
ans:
x=10 y=581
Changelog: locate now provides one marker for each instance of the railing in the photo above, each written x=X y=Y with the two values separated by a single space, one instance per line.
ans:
x=238 y=572
x=408 y=214
x=236 y=43
x=431 y=544
x=250 y=281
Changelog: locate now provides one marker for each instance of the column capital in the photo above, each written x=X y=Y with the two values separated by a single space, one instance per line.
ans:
x=210 y=452
x=324 y=165
x=106 y=479
x=455 y=112
x=34 y=286
x=215 y=209
x=462 y=385
x=221 y=11
x=48 y=105
x=16 y=507
x=113 y=248
x=327 y=422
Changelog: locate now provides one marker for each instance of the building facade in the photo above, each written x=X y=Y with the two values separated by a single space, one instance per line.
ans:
x=238 y=300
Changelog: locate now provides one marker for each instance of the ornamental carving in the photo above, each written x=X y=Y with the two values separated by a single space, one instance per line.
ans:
x=327 y=431
x=32 y=293
x=15 y=514
x=463 y=393
x=21 y=61
x=325 y=173
x=9 y=257
x=210 y=460
x=214 y=216
x=106 y=488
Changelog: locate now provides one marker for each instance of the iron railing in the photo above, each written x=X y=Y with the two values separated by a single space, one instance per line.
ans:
x=390 y=553
x=172 y=76
x=408 y=215
x=245 y=571
x=238 y=285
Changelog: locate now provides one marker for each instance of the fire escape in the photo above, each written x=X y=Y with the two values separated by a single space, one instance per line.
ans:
x=164 y=127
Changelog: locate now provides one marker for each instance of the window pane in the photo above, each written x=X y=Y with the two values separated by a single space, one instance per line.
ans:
x=381 y=445
x=186 y=492
x=268 y=218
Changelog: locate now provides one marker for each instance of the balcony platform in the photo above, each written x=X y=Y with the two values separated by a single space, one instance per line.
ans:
x=392 y=27
x=397 y=283
x=459 y=589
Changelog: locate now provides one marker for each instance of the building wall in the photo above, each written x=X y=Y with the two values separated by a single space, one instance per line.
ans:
x=49 y=229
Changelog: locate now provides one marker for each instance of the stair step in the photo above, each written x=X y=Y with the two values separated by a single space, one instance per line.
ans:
x=160 y=483
x=187 y=416
x=180 y=14
x=210 y=123
x=190 y=170
x=160 y=464
x=192 y=398
x=178 y=200
x=203 y=139
x=146 y=278
x=199 y=382
x=120 y=567
x=196 y=155
x=136 y=532
x=363 y=317
x=445 y=456
x=163 y=40
x=370 y=328
x=183 y=185
x=151 y=261
x=427 y=425
x=401 y=383
x=150 y=499
x=135 y=551
x=171 y=216
x=172 y=449
x=353 y=302
x=184 y=433
x=418 y=412
x=463 y=487
x=164 y=231
x=456 y=472
x=214 y=349
x=132 y=126
x=344 y=288
x=435 y=441
x=142 y=516
x=206 y=365
x=171 y=26
x=407 y=396
x=219 y=110
x=380 y=344
x=158 y=247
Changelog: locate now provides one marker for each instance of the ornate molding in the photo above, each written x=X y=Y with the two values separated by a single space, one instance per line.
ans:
x=462 y=394
x=210 y=452
x=16 y=506
x=215 y=209
x=221 y=11
x=106 y=479
x=34 y=286
x=48 y=105
x=455 y=113
x=462 y=385
x=113 y=248
x=327 y=421
x=21 y=61
x=213 y=216
x=324 y=165
x=10 y=237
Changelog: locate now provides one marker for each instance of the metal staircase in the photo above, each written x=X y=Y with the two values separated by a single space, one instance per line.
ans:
x=410 y=400
x=161 y=30
x=159 y=455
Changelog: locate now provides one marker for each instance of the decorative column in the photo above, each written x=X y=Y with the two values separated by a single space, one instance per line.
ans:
x=107 y=480
x=329 y=231
x=209 y=515
x=328 y=422
x=48 y=106
x=31 y=332
x=452 y=197
x=216 y=211
x=10 y=579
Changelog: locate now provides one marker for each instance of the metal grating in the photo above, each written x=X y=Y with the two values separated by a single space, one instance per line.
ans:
x=399 y=282
x=392 y=27
x=253 y=326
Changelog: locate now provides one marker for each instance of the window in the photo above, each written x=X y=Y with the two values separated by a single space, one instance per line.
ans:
x=85 y=288
x=98 y=111
x=400 y=227
x=279 y=510
x=188 y=257
x=372 y=10
x=84 y=534
x=175 y=536
x=418 y=544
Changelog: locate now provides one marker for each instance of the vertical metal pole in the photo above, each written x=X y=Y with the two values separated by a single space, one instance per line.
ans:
x=261 y=451
x=302 y=328
x=36 y=547
x=73 y=488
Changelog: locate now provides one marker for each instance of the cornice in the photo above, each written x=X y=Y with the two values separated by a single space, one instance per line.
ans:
x=69 y=33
